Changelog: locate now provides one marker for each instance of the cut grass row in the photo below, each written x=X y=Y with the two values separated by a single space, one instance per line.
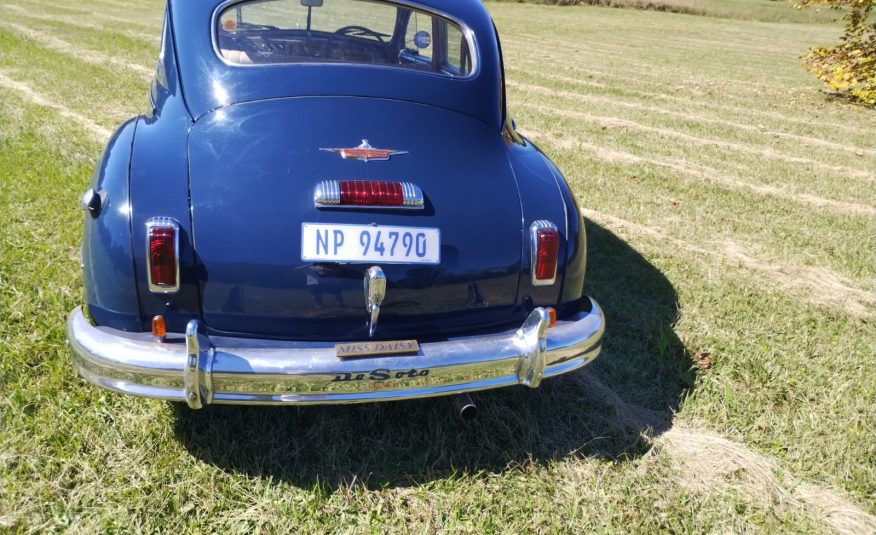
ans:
x=594 y=56
x=778 y=228
x=770 y=150
x=94 y=460
x=850 y=258
x=748 y=10
x=789 y=378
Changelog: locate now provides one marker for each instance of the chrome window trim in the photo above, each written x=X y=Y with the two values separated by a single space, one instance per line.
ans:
x=162 y=222
x=533 y=246
x=466 y=31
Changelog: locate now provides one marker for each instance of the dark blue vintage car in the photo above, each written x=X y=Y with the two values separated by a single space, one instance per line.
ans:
x=296 y=151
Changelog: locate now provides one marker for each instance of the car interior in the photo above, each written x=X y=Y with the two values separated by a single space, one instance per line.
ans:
x=413 y=40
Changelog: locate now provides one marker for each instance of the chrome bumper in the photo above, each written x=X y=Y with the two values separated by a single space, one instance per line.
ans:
x=201 y=370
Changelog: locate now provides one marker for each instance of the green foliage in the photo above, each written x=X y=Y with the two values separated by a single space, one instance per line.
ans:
x=850 y=67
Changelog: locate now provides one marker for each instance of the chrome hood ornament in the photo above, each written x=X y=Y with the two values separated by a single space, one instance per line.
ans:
x=375 y=291
x=366 y=152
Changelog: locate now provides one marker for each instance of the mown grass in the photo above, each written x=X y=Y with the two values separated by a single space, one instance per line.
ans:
x=715 y=324
x=759 y=10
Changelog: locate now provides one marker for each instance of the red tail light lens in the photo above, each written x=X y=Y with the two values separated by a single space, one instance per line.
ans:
x=371 y=193
x=545 y=250
x=162 y=255
x=548 y=245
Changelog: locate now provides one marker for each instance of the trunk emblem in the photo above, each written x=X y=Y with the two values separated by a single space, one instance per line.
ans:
x=375 y=291
x=366 y=152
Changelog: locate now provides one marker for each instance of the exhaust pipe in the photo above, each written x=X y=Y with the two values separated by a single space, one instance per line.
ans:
x=465 y=406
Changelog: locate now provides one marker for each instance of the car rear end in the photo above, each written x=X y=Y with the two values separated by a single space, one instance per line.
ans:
x=350 y=225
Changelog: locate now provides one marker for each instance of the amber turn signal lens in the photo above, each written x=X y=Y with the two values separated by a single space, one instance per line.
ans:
x=552 y=314
x=159 y=329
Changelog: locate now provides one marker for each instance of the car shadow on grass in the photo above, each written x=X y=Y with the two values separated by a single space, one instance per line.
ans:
x=606 y=410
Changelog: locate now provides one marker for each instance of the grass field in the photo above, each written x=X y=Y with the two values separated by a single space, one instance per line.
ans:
x=754 y=10
x=732 y=213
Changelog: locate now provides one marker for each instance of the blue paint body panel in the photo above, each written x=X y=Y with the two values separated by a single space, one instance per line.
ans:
x=159 y=187
x=232 y=154
x=253 y=172
x=107 y=258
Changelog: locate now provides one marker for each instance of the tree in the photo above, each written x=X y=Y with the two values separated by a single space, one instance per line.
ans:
x=850 y=66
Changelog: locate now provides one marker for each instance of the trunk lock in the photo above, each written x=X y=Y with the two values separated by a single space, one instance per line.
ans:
x=375 y=291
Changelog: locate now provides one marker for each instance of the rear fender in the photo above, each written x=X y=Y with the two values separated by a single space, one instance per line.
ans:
x=541 y=198
x=159 y=187
x=576 y=249
x=108 y=272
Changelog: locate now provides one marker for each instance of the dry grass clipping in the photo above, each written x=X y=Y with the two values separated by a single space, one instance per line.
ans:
x=711 y=463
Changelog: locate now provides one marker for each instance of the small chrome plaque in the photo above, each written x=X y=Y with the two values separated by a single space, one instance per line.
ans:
x=366 y=349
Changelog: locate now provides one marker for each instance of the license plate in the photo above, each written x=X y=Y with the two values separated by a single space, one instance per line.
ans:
x=364 y=349
x=332 y=242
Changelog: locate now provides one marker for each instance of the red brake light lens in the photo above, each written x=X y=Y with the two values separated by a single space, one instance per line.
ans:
x=371 y=193
x=545 y=251
x=548 y=246
x=163 y=261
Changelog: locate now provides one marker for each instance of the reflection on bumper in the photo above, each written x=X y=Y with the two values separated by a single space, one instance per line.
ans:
x=201 y=370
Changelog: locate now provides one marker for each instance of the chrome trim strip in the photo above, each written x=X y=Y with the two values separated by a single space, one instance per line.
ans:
x=253 y=371
x=162 y=222
x=413 y=195
x=533 y=251
x=327 y=192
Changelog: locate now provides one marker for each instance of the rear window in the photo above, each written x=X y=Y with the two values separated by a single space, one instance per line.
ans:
x=342 y=31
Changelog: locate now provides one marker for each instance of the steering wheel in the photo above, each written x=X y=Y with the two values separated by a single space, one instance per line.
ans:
x=361 y=31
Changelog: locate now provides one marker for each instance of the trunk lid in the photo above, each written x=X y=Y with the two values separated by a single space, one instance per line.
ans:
x=253 y=170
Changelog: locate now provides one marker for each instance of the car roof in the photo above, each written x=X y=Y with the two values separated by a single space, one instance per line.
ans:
x=209 y=83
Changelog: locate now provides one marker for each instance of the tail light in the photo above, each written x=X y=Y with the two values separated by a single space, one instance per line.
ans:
x=545 y=249
x=552 y=317
x=159 y=327
x=162 y=255
x=377 y=193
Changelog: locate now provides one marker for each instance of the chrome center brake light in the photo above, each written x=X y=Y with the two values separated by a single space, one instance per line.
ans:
x=364 y=193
